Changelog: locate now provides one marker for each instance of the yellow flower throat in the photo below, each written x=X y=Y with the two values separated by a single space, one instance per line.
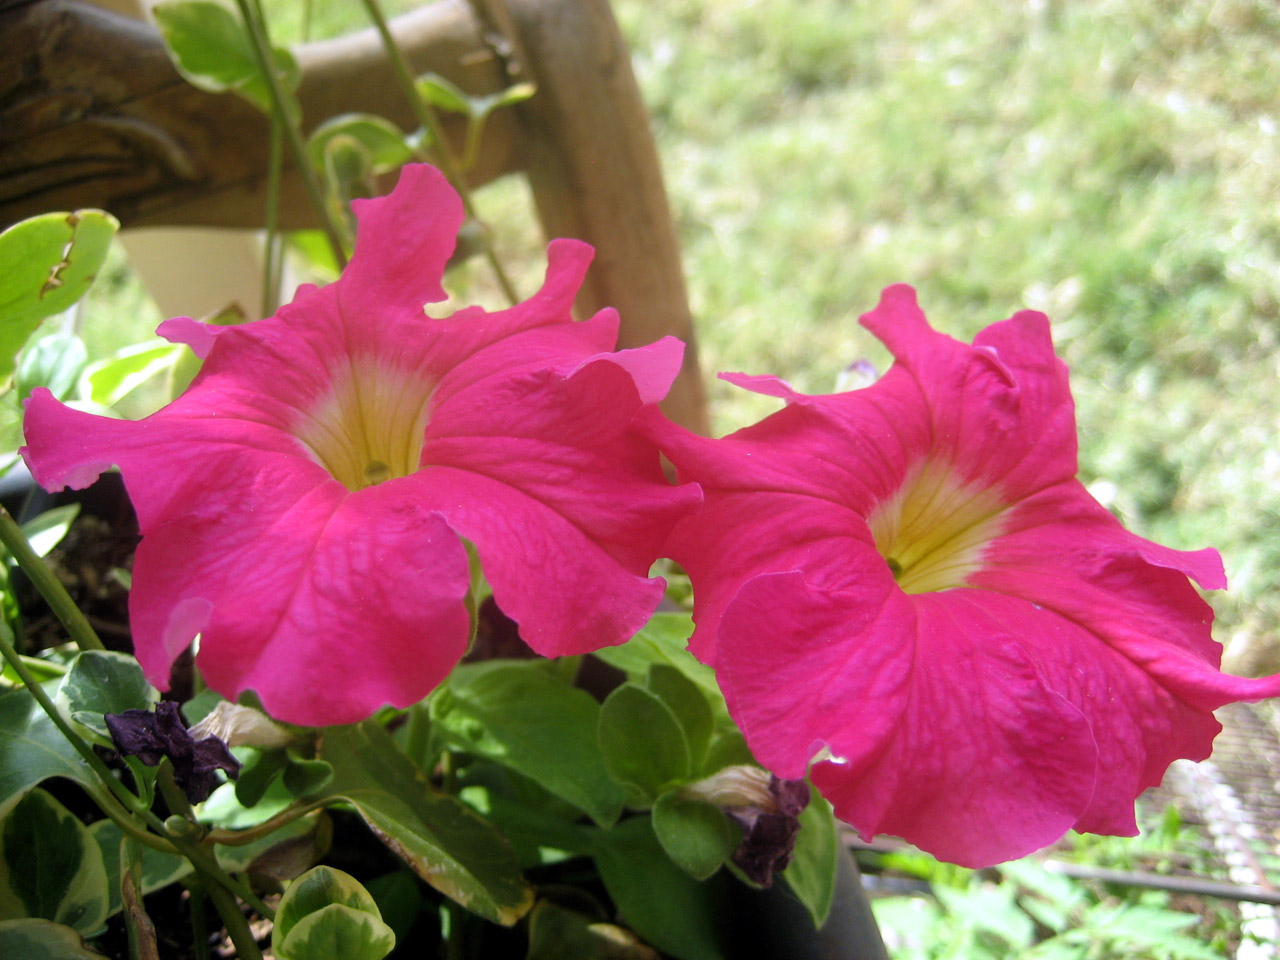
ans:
x=932 y=533
x=371 y=425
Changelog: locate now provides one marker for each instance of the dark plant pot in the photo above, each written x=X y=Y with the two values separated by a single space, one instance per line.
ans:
x=772 y=925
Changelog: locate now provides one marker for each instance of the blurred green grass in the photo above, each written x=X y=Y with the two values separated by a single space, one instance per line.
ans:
x=1115 y=164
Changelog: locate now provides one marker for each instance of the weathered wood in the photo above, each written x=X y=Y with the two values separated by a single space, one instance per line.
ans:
x=593 y=166
x=92 y=113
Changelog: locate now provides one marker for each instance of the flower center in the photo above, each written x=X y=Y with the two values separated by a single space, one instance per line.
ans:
x=370 y=426
x=933 y=531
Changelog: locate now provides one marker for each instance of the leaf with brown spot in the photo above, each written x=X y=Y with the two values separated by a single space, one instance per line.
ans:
x=446 y=843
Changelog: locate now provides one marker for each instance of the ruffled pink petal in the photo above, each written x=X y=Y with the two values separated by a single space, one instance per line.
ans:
x=403 y=241
x=326 y=605
x=196 y=335
x=777 y=490
x=169 y=463
x=1000 y=410
x=942 y=728
x=1065 y=553
x=567 y=506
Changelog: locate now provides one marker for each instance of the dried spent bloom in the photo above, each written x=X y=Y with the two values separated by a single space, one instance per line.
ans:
x=153 y=735
x=240 y=726
x=302 y=503
x=906 y=592
x=766 y=808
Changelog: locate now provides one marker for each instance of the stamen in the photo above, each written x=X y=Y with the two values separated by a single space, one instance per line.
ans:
x=371 y=425
x=934 y=530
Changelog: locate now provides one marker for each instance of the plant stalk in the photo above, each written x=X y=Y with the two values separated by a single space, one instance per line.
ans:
x=42 y=578
x=232 y=917
x=238 y=838
x=430 y=121
x=271 y=259
x=199 y=924
x=292 y=128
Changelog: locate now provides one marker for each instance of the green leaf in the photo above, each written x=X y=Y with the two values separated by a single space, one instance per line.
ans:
x=315 y=890
x=1143 y=929
x=657 y=899
x=386 y=145
x=991 y=909
x=54 y=361
x=304 y=777
x=108 y=381
x=50 y=867
x=556 y=933
x=47 y=530
x=541 y=827
x=32 y=749
x=643 y=745
x=47 y=263
x=696 y=835
x=689 y=705
x=442 y=93
x=326 y=913
x=811 y=874
x=399 y=898
x=337 y=931
x=10 y=429
x=516 y=93
x=40 y=667
x=159 y=869
x=445 y=842
x=223 y=808
x=100 y=682
x=211 y=48
x=662 y=640
x=32 y=938
x=259 y=768
x=519 y=715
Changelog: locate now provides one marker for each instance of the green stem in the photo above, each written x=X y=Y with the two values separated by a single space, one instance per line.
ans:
x=448 y=771
x=206 y=865
x=39 y=663
x=42 y=578
x=251 y=897
x=430 y=121
x=142 y=934
x=199 y=925
x=280 y=106
x=173 y=795
x=271 y=260
x=237 y=927
x=238 y=838
x=129 y=827
x=419 y=733
x=454 y=947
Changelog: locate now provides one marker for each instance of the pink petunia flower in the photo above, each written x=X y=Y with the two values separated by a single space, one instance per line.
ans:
x=906 y=591
x=301 y=504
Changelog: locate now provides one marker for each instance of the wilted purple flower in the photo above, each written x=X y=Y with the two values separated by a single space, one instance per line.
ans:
x=153 y=736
